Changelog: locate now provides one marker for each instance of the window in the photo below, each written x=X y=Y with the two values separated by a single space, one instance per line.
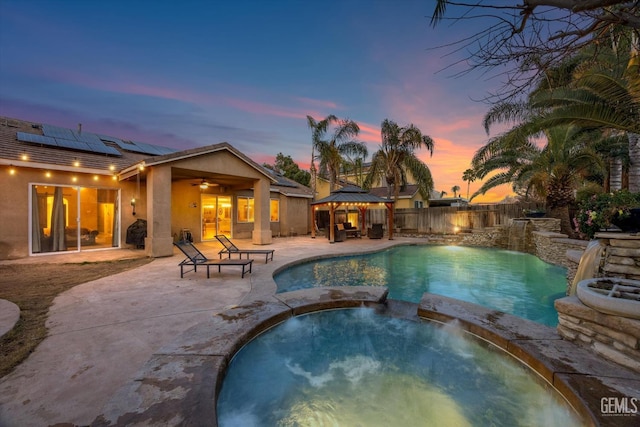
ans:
x=245 y=209
x=418 y=204
x=274 y=210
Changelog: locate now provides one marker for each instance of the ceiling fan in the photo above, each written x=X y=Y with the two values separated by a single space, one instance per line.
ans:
x=204 y=184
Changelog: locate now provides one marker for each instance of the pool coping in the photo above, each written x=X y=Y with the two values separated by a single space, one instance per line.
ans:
x=180 y=383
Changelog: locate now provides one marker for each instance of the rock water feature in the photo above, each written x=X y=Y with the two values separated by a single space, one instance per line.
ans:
x=518 y=234
x=602 y=311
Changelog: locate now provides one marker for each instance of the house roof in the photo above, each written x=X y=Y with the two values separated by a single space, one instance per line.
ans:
x=195 y=152
x=351 y=194
x=17 y=148
x=289 y=187
x=40 y=155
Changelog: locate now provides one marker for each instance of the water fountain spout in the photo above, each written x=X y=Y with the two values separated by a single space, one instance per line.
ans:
x=589 y=263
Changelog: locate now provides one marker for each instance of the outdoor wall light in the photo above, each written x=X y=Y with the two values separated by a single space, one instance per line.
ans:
x=12 y=170
x=133 y=206
x=24 y=157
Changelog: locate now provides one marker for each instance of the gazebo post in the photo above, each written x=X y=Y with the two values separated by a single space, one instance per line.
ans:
x=390 y=211
x=313 y=222
x=363 y=211
x=332 y=222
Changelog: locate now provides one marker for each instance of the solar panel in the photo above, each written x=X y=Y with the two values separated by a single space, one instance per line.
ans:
x=37 y=139
x=130 y=146
x=147 y=148
x=165 y=150
x=90 y=138
x=137 y=147
x=86 y=141
x=74 y=145
x=57 y=132
x=103 y=149
x=111 y=139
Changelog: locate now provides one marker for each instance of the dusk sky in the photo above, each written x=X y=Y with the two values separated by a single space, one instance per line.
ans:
x=186 y=74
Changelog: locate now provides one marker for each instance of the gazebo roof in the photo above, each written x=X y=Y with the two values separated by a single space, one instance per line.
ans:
x=351 y=194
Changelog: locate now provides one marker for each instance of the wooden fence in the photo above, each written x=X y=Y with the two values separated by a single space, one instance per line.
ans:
x=440 y=220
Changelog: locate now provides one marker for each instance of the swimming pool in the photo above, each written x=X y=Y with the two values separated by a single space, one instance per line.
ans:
x=379 y=370
x=513 y=282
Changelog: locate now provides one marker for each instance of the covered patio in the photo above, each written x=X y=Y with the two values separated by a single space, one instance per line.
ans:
x=351 y=196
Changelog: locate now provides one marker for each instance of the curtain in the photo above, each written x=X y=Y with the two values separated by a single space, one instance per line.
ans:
x=115 y=237
x=58 y=242
x=36 y=230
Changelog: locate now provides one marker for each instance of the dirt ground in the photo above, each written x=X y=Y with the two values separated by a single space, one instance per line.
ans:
x=33 y=287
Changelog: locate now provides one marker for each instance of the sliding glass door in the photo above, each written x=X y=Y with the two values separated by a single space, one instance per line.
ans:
x=65 y=218
x=216 y=216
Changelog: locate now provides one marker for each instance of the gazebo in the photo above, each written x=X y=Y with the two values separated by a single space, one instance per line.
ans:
x=351 y=196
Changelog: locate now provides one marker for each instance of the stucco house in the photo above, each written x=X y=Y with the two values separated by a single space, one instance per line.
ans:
x=65 y=190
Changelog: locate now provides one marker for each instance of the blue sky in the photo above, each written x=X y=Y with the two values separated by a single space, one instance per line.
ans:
x=191 y=73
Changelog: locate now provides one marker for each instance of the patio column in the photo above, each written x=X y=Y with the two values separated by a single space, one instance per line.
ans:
x=313 y=222
x=261 y=218
x=159 y=242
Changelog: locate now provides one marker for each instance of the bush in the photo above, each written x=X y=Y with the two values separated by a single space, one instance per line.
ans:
x=600 y=211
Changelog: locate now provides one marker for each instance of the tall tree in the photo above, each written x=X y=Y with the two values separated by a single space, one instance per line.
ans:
x=551 y=172
x=396 y=157
x=468 y=176
x=333 y=139
x=318 y=130
x=290 y=169
x=522 y=39
x=598 y=89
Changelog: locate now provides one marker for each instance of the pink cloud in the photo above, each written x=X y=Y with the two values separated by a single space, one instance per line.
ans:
x=330 y=105
x=266 y=109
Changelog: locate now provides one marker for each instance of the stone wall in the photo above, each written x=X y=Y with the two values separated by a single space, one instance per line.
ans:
x=491 y=237
x=622 y=255
x=552 y=247
x=613 y=337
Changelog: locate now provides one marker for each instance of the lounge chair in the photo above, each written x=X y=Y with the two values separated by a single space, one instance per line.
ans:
x=230 y=248
x=195 y=258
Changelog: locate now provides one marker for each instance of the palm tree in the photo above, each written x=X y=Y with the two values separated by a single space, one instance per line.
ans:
x=455 y=190
x=604 y=95
x=592 y=91
x=443 y=193
x=318 y=129
x=469 y=176
x=396 y=158
x=340 y=143
x=552 y=172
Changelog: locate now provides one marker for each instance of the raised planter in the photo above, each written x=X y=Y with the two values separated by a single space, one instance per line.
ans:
x=611 y=295
x=534 y=214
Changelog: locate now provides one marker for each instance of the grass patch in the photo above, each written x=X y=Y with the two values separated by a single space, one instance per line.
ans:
x=33 y=287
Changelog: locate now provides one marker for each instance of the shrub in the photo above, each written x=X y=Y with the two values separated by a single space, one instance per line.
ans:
x=601 y=211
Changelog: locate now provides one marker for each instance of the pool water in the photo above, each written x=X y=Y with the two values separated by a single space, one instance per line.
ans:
x=377 y=370
x=513 y=282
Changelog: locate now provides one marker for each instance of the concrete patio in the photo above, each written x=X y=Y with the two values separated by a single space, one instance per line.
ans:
x=146 y=347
